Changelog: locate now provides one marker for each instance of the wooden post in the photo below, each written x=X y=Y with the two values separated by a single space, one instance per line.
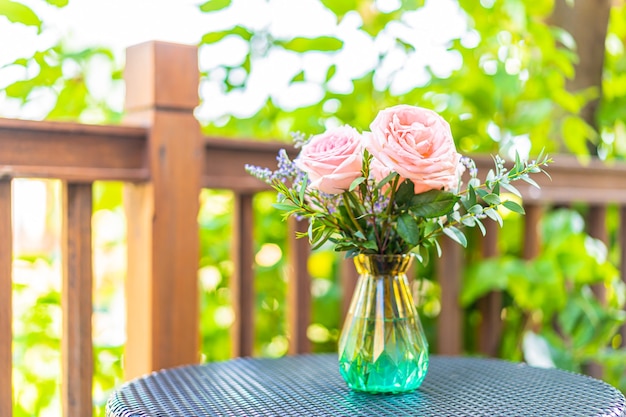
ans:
x=299 y=289
x=163 y=242
x=6 y=291
x=242 y=283
x=77 y=345
x=450 y=323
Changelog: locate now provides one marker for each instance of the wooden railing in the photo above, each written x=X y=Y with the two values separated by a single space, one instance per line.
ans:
x=164 y=162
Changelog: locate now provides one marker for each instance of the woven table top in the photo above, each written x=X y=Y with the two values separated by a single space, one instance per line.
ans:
x=310 y=385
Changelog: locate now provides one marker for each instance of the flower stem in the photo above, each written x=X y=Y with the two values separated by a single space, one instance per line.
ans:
x=351 y=213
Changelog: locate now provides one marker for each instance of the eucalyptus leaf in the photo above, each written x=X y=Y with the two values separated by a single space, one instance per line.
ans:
x=513 y=206
x=511 y=189
x=494 y=215
x=492 y=199
x=456 y=235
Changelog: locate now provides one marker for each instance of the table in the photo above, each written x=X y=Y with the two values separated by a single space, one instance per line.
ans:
x=310 y=385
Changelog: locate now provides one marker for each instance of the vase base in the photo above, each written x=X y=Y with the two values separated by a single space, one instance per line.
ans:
x=385 y=375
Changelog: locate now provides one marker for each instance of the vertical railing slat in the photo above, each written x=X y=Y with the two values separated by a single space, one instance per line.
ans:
x=349 y=279
x=450 y=322
x=299 y=289
x=532 y=238
x=597 y=229
x=242 y=283
x=77 y=346
x=6 y=311
x=490 y=306
x=622 y=243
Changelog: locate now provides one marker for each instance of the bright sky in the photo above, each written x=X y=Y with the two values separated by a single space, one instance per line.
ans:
x=118 y=24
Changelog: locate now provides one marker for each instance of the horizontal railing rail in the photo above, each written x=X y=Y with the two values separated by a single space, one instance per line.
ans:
x=164 y=161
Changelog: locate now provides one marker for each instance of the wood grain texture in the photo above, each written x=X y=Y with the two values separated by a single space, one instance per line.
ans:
x=450 y=323
x=597 y=229
x=242 y=281
x=298 y=289
x=139 y=209
x=6 y=290
x=572 y=180
x=490 y=306
x=349 y=278
x=76 y=301
x=71 y=151
x=162 y=91
x=532 y=237
x=622 y=243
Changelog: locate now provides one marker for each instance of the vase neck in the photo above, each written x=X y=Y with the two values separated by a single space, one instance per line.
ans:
x=382 y=264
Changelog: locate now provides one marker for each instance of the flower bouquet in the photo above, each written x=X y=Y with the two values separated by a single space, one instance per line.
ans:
x=384 y=197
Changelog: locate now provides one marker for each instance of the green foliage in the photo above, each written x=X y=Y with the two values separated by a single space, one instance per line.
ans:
x=551 y=296
x=507 y=89
x=387 y=216
x=612 y=112
x=19 y=13
x=214 y=5
x=73 y=99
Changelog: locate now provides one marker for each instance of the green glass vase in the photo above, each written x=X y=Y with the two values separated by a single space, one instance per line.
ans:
x=382 y=348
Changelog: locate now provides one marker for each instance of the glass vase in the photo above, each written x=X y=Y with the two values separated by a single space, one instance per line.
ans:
x=382 y=348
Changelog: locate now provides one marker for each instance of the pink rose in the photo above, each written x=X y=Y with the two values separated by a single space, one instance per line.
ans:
x=417 y=144
x=332 y=159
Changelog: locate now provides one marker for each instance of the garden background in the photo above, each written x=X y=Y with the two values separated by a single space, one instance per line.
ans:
x=510 y=75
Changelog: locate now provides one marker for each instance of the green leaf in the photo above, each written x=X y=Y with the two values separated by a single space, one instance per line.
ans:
x=471 y=195
x=408 y=229
x=492 y=199
x=70 y=101
x=322 y=43
x=576 y=132
x=494 y=215
x=481 y=226
x=340 y=8
x=331 y=71
x=297 y=78
x=356 y=183
x=305 y=181
x=412 y=4
x=513 y=206
x=433 y=203
x=213 y=37
x=511 y=189
x=405 y=193
x=530 y=181
x=284 y=207
x=58 y=3
x=19 y=13
x=386 y=180
x=456 y=235
x=214 y=5
x=475 y=209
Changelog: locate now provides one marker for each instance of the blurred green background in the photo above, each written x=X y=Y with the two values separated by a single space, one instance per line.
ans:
x=504 y=75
